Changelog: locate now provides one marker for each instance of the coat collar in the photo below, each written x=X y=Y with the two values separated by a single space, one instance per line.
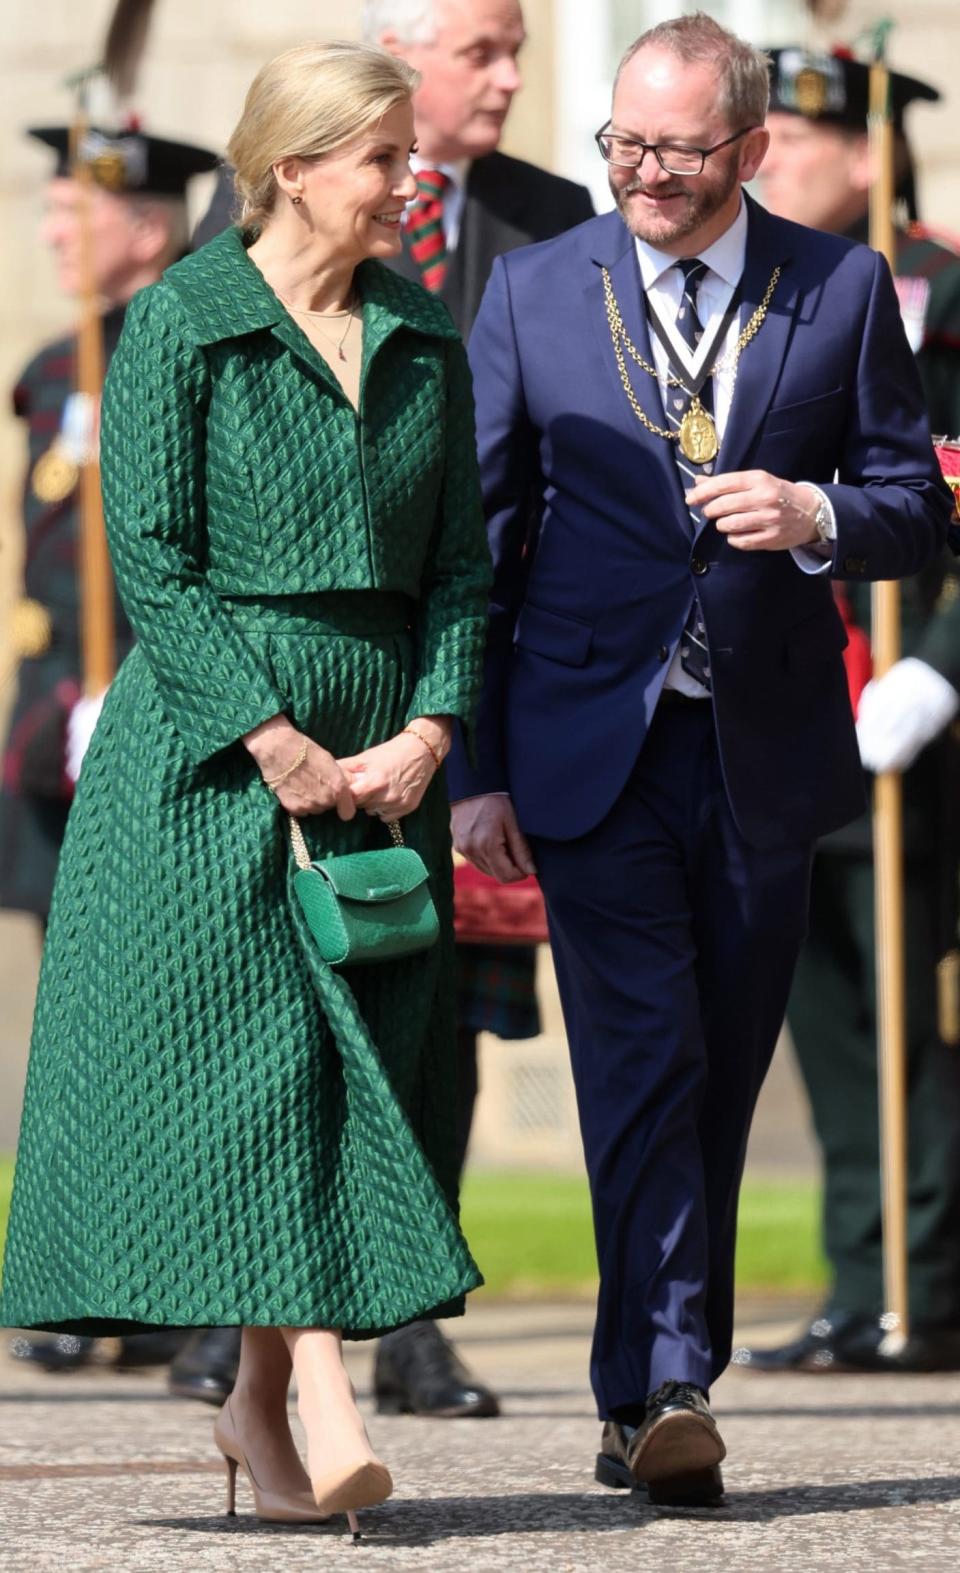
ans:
x=225 y=296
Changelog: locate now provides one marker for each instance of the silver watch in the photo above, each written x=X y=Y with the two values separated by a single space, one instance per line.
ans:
x=823 y=524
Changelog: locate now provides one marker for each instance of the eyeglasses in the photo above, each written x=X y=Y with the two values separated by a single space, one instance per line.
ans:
x=628 y=153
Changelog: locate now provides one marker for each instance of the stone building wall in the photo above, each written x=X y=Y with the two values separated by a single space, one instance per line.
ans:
x=200 y=59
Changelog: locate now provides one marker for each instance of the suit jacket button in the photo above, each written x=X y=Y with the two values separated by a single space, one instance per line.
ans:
x=854 y=565
x=662 y=653
x=698 y=566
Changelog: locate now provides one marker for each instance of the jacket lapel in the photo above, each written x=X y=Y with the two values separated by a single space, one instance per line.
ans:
x=758 y=370
x=492 y=223
x=614 y=249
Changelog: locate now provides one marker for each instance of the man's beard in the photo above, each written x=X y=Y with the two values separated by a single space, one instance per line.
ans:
x=699 y=205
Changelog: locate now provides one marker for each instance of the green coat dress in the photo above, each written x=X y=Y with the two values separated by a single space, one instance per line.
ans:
x=197 y=1147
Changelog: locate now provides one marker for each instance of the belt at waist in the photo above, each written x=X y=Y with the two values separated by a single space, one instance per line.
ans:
x=355 y=613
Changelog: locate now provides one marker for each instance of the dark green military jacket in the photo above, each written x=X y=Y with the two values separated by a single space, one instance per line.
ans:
x=35 y=792
x=271 y=484
x=930 y=602
x=920 y=256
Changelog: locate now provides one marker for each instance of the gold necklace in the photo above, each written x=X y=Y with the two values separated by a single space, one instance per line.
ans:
x=697 y=434
x=328 y=316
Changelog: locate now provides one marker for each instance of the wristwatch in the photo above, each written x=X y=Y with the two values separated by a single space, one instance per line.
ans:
x=823 y=521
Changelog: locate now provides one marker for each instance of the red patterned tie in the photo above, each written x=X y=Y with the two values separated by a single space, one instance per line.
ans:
x=428 y=247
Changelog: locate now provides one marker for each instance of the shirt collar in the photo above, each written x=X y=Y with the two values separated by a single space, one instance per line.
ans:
x=725 y=257
x=456 y=173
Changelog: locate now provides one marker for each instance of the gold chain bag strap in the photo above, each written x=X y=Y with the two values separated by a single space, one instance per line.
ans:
x=365 y=906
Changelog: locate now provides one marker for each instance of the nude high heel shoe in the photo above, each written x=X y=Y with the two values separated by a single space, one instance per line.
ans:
x=273 y=1507
x=365 y=1482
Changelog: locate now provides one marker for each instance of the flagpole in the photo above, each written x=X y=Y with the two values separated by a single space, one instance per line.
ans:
x=888 y=820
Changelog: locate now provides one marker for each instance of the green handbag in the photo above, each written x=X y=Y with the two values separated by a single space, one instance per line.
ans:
x=365 y=906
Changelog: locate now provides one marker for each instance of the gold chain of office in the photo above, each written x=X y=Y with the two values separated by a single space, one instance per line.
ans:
x=697 y=434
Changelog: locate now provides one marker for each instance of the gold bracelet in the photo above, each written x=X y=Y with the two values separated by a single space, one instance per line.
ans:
x=272 y=785
x=426 y=743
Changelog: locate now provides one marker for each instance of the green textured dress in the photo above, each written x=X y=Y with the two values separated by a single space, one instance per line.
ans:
x=197 y=1147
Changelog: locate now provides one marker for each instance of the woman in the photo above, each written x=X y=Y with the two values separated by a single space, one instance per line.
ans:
x=292 y=501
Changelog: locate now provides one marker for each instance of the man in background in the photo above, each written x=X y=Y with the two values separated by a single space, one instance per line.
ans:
x=136 y=225
x=474 y=204
x=817 y=172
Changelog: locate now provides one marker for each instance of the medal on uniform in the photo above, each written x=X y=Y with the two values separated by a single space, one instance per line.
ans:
x=31 y=629
x=57 y=471
x=698 y=435
x=55 y=474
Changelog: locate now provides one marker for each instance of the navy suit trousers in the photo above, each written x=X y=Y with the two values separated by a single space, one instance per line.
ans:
x=674 y=942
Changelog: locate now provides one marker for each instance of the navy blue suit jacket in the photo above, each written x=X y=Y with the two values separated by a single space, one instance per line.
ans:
x=589 y=601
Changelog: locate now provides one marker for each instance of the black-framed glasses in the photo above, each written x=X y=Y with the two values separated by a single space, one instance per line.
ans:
x=628 y=153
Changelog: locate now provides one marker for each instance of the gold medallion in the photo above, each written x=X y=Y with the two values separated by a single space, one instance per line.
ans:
x=698 y=435
x=30 y=629
x=55 y=474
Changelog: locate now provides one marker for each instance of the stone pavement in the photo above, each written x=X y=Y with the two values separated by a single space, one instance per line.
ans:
x=100 y=1471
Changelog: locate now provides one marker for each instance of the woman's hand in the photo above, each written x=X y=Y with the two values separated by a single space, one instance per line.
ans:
x=314 y=785
x=390 y=779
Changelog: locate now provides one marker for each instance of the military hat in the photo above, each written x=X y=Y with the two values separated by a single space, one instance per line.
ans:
x=129 y=161
x=835 y=88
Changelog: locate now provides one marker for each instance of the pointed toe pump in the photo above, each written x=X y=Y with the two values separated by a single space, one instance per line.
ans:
x=272 y=1507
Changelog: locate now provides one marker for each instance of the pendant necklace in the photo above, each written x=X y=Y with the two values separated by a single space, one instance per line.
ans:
x=328 y=316
x=697 y=435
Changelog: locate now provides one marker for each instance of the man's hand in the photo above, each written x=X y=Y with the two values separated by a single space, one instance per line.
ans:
x=485 y=830
x=756 y=511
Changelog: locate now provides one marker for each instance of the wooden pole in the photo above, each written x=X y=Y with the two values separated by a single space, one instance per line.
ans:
x=97 y=632
x=888 y=833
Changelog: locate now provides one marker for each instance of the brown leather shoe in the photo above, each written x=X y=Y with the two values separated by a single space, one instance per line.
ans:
x=675 y=1454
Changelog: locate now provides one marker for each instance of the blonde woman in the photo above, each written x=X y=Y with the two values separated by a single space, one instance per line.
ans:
x=291 y=494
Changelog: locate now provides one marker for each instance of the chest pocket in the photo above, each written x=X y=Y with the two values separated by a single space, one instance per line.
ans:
x=806 y=414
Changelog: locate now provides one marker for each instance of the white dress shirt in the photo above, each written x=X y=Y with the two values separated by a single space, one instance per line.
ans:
x=453 y=197
x=662 y=284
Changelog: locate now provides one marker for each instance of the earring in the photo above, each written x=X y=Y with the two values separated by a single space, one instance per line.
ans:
x=296 y=200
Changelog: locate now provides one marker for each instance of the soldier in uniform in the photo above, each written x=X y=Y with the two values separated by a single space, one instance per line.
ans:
x=817 y=172
x=137 y=226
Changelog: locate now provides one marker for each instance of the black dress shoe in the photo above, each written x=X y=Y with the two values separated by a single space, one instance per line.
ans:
x=837 y=1341
x=206 y=1367
x=675 y=1453
x=418 y=1372
x=145 y=1349
x=61 y=1352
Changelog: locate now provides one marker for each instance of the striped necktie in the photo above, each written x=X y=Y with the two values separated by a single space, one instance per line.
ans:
x=428 y=247
x=694 y=655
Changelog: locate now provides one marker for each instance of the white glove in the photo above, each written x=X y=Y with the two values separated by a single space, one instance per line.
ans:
x=80 y=726
x=901 y=712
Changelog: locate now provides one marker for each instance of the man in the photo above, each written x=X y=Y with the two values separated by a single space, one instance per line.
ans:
x=475 y=203
x=136 y=225
x=665 y=727
x=818 y=171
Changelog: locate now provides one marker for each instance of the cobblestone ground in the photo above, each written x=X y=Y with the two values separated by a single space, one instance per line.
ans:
x=100 y=1471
